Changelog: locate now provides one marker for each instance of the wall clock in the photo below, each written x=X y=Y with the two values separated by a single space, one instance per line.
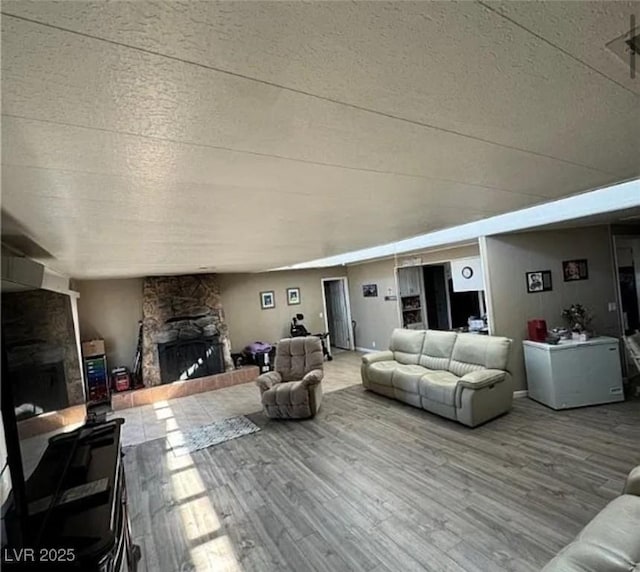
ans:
x=467 y=272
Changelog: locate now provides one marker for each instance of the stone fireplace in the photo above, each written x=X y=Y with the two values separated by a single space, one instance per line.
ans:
x=190 y=359
x=184 y=332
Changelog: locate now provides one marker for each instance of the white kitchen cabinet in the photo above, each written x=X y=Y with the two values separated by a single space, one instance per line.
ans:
x=410 y=281
x=574 y=374
x=412 y=297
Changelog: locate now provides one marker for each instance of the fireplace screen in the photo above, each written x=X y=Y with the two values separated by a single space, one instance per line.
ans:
x=190 y=359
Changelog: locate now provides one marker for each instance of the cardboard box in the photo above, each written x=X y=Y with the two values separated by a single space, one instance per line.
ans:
x=93 y=348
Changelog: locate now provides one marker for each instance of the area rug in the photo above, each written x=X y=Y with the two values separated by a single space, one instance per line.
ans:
x=209 y=435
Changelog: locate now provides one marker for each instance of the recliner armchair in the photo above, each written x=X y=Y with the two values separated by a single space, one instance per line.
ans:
x=293 y=389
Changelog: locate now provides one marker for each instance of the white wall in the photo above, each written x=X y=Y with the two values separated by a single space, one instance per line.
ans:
x=509 y=257
x=111 y=309
x=248 y=323
x=376 y=318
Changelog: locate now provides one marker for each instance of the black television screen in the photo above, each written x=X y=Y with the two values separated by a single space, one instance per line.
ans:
x=41 y=374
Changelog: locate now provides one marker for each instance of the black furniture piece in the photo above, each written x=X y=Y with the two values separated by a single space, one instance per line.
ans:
x=299 y=330
x=76 y=507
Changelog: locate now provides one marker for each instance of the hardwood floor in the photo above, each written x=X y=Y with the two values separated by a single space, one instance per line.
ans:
x=371 y=484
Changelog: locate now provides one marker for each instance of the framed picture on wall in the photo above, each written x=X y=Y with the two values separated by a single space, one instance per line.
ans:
x=575 y=269
x=267 y=299
x=293 y=296
x=370 y=290
x=539 y=281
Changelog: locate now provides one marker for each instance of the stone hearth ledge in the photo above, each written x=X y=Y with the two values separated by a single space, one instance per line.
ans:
x=149 y=395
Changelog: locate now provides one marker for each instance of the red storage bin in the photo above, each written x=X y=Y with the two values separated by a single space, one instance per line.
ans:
x=537 y=330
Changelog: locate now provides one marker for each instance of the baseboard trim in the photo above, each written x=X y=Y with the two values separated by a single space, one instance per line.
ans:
x=365 y=350
x=521 y=393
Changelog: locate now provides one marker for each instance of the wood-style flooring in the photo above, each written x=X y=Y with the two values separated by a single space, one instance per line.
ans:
x=371 y=484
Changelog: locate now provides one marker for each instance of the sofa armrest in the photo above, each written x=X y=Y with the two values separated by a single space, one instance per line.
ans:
x=482 y=378
x=373 y=357
x=267 y=380
x=314 y=377
x=632 y=486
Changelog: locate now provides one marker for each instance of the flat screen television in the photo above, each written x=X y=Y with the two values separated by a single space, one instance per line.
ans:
x=41 y=374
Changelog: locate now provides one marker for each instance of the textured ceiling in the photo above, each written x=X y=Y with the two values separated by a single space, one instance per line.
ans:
x=166 y=137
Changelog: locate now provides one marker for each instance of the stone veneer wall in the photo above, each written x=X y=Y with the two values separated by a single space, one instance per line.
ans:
x=38 y=328
x=180 y=307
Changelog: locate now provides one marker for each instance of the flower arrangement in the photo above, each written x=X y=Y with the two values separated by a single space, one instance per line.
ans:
x=578 y=318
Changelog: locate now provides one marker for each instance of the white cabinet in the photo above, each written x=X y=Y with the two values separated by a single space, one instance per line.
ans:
x=574 y=374
x=410 y=281
x=412 y=299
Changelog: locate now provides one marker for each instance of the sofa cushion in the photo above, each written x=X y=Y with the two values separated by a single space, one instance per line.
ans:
x=380 y=372
x=297 y=356
x=406 y=345
x=406 y=377
x=610 y=542
x=472 y=352
x=439 y=386
x=288 y=393
x=436 y=349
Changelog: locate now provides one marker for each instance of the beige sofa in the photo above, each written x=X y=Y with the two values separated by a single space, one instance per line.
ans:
x=611 y=541
x=459 y=376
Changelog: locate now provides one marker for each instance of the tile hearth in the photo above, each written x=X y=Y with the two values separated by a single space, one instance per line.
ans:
x=149 y=395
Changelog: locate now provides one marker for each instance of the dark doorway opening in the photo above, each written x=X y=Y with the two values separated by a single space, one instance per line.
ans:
x=435 y=286
x=629 y=298
x=463 y=306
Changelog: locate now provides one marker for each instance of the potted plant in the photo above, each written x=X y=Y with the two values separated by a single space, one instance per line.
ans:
x=578 y=319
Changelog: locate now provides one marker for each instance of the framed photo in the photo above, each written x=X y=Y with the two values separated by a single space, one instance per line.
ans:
x=575 y=269
x=293 y=296
x=267 y=300
x=370 y=290
x=539 y=281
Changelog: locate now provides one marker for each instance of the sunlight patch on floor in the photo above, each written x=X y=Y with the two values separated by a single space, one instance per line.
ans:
x=178 y=463
x=164 y=413
x=187 y=483
x=171 y=425
x=217 y=554
x=198 y=518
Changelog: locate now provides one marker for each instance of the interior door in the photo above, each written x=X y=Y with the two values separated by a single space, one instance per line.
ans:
x=337 y=317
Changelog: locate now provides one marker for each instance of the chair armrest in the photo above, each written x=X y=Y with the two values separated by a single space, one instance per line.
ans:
x=267 y=380
x=377 y=356
x=314 y=377
x=482 y=378
x=632 y=486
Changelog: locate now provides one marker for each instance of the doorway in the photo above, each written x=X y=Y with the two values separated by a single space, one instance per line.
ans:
x=436 y=297
x=464 y=305
x=429 y=299
x=627 y=256
x=337 y=312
